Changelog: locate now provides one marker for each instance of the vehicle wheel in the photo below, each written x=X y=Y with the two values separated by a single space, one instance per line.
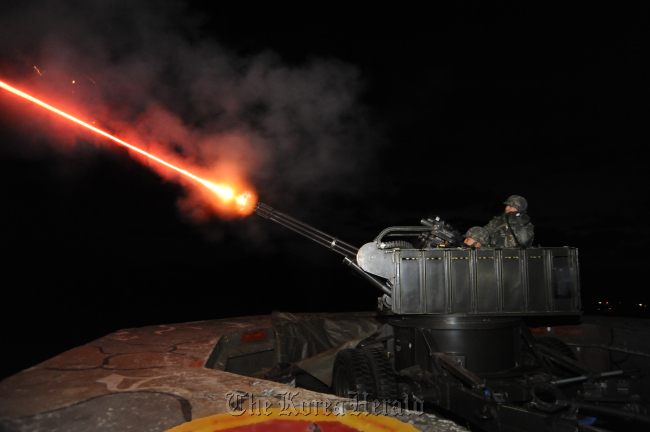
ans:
x=351 y=374
x=397 y=244
x=557 y=345
x=384 y=381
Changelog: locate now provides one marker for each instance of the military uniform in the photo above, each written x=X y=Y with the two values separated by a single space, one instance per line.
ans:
x=479 y=235
x=511 y=230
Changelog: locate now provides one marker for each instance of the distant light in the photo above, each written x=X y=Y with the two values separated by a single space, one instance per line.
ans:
x=598 y=302
x=640 y=304
x=606 y=302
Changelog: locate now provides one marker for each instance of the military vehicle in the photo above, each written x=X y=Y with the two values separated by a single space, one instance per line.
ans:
x=454 y=334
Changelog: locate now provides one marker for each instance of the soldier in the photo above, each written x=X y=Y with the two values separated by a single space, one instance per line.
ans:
x=513 y=227
x=477 y=237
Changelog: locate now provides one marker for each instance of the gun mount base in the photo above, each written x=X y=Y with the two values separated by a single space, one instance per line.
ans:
x=481 y=345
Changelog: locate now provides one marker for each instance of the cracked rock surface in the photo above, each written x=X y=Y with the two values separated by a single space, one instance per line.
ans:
x=145 y=379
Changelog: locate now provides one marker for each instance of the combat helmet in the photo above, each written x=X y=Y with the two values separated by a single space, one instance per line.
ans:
x=479 y=234
x=517 y=202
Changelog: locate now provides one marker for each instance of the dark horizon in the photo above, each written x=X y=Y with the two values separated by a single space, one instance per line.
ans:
x=415 y=114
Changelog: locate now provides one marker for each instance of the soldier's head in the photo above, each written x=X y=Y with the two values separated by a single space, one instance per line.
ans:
x=516 y=203
x=477 y=237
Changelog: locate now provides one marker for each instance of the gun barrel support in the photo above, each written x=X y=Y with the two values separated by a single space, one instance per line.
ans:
x=373 y=280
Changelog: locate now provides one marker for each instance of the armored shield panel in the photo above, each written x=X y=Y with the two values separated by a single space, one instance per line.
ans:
x=484 y=281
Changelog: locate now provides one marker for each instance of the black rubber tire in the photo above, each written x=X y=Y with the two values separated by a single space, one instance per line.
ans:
x=398 y=244
x=557 y=345
x=352 y=374
x=384 y=381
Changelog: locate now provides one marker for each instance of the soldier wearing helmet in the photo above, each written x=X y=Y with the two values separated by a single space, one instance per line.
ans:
x=477 y=237
x=513 y=227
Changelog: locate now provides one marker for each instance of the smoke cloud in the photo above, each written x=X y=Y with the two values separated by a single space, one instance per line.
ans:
x=142 y=71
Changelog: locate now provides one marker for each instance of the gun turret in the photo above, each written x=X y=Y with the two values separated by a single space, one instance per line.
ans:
x=440 y=277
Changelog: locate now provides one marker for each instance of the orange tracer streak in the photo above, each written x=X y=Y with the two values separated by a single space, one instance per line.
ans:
x=224 y=192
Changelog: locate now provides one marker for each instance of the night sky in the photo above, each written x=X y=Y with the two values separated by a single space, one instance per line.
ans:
x=359 y=117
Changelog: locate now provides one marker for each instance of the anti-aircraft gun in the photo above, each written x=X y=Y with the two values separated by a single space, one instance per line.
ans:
x=456 y=336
